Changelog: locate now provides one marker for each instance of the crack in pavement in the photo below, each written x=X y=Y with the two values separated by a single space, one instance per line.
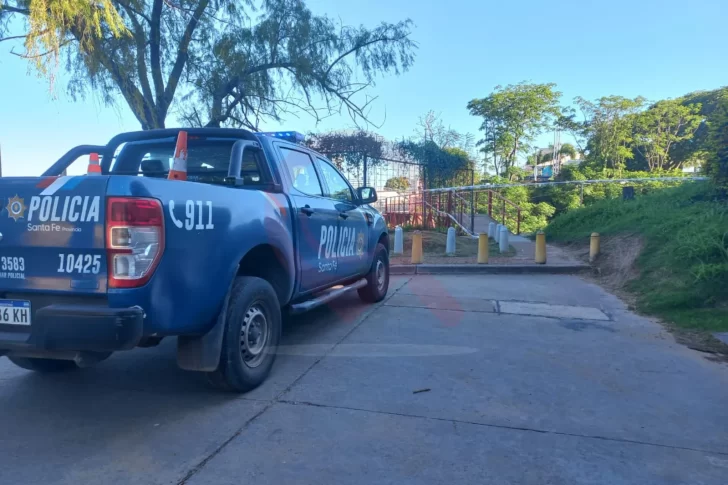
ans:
x=197 y=468
x=502 y=426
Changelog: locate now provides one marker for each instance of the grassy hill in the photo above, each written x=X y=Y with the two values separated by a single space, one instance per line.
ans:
x=681 y=233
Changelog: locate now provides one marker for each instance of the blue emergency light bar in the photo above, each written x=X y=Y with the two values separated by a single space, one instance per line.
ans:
x=291 y=136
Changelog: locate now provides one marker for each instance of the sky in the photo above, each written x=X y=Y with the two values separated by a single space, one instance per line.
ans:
x=653 y=48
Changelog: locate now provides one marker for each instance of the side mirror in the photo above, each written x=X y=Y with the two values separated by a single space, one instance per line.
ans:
x=367 y=195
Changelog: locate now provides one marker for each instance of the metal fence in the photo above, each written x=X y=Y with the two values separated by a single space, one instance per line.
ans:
x=396 y=173
x=471 y=208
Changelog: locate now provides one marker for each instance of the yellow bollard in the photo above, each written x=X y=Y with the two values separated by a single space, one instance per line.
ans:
x=482 y=248
x=594 y=247
x=540 y=247
x=416 y=247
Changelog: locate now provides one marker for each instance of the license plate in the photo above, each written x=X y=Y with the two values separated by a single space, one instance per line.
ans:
x=14 y=312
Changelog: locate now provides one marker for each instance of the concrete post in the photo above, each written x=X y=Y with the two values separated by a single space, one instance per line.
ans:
x=540 y=248
x=398 y=240
x=416 y=247
x=483 y=248
x=450 y=245
x=491 y=230
x=503 y=240
x=498 y=229
x=594 y=244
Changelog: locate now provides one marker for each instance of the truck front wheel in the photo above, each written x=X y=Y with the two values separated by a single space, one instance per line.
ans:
x=252 y=334
x=377 y=278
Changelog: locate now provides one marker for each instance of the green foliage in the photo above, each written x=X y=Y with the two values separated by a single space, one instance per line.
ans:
x=48 y=21
x=609 y=129
x=349 y=150
x=441 y=167
x=567 y=149
x=534 y=214
x=658 y=128
x=512 y=118
x=398 y=183
x=696 y=150
x=717 y=165
x=229 y=63
x=683 y=268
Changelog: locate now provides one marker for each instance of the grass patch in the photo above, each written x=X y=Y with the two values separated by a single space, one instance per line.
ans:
x=682 y=271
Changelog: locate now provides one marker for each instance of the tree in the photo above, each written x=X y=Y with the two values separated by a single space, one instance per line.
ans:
x=512 y=117
x=47 y=23
x=430 y=127
x=697 y=149
x=221 y=66
x=658 y=128
x=608 y=126
x=398 y=183
x=567 y=149
x=717 y=164
x=441 y=167
x=567 y=122
x=349 y=150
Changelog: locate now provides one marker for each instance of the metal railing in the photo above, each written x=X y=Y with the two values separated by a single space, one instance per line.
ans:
x=440 y=209
x=445 y=207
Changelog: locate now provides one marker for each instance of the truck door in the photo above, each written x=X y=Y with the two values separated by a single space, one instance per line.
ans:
x=352 y=240
x=317 y=219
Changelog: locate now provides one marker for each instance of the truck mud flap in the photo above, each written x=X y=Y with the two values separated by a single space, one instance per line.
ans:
x=202 y=353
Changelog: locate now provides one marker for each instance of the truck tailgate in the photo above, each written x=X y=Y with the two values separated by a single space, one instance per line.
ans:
x=52 y=235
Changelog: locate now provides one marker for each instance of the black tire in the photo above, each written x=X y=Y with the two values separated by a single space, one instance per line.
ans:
x=250 y=298
x=44 y=365
x=376 y=290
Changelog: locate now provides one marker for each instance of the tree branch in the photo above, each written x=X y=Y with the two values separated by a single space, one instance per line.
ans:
x=181 y=59
x=13 y=37
x=361 y=46
x=9 y=8
x=43 y=54
x=154 y=50
x=140 y=40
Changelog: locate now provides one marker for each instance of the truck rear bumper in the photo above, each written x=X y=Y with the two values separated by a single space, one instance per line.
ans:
x=77 y=328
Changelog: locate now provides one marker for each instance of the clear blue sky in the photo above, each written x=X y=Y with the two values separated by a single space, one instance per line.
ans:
x=654 y=48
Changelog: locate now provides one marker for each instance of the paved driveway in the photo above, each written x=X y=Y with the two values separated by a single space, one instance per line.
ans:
x=455 y=379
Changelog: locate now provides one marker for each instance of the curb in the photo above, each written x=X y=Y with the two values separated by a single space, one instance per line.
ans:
x=411 y=269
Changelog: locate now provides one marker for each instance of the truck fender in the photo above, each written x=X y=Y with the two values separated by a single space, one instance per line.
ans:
x=202 y=352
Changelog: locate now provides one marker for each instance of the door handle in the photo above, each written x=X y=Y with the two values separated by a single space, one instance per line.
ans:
x=343 y=215
x=306 y=209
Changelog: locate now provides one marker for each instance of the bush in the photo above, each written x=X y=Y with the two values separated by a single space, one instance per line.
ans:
x=684 y=264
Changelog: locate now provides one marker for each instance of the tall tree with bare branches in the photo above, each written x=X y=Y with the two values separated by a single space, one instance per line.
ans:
x=219 y=62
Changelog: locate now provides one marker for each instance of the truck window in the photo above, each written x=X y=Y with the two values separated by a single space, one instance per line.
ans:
x=303 y=174
x=338 y=187
x=207 y=160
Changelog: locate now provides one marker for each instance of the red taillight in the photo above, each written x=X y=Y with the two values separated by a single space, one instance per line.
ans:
x=134 y=212
x=134 y=240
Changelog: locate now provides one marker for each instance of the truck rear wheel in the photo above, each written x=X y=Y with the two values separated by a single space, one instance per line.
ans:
x=252 y=334
x=377 y=278
x=43 y=365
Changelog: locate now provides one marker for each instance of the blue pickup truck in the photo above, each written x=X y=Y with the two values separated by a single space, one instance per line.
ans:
x=122 y=258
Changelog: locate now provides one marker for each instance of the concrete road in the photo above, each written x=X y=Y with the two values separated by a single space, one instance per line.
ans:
x=454 y=379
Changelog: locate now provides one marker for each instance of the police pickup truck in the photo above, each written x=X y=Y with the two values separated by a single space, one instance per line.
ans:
x=142 y=248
